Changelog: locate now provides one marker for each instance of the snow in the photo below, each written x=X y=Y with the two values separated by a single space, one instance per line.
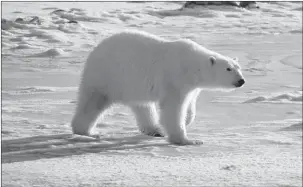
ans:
x=252 y=136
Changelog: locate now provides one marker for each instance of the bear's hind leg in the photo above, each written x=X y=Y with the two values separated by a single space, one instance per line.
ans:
x=90 y=105
x=147 y=119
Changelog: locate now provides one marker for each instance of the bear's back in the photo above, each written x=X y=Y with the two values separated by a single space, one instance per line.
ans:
x=139 y=36
x=130 y=60
x=128 y=47
x=132 y=39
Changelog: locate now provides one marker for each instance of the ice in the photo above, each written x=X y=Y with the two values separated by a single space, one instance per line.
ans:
x=49 y=53
x=280 y=98
x=252 y=136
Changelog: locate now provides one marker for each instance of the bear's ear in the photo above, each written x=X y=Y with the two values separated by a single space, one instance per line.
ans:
x=212 y=60
x=236 y=59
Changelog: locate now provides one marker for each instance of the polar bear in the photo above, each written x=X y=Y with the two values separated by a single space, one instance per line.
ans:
x=142 y=70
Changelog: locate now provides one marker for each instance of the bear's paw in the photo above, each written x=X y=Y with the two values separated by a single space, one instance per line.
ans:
x=185 y=142
x=155 y=132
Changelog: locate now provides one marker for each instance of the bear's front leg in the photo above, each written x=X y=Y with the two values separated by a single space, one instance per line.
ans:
x=173 y=113
x=147 y=119
x=191 y=109
x=190 y=112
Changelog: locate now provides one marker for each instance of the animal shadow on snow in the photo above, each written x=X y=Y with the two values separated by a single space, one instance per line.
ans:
x=61 y=145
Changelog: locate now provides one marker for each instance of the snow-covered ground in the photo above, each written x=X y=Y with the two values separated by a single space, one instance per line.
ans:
x=252 y=136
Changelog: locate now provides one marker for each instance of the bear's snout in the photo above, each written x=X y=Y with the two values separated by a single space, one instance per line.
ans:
x=240 y=83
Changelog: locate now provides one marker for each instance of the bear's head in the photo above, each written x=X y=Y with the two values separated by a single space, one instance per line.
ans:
x=223 y=72
x=205 y=68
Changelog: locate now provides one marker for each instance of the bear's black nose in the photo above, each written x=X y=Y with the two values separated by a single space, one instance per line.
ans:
x=240 y=82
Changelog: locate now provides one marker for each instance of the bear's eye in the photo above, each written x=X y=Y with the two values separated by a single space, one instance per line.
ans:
x=228 y=69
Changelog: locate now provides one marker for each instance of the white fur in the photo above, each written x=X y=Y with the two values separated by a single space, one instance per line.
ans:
x=139 y=69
